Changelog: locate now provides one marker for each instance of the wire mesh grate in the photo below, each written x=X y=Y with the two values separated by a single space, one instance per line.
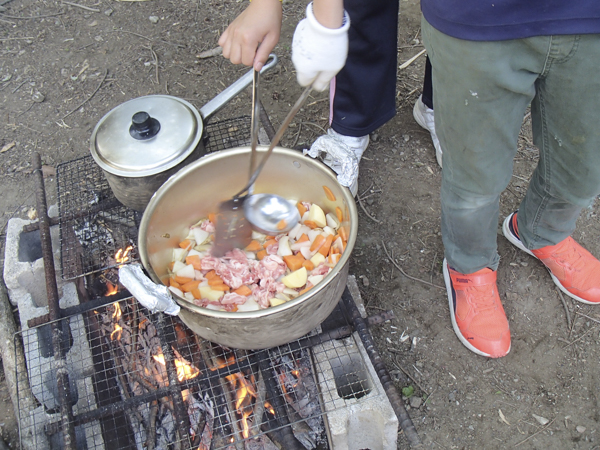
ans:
x=140 y=380
x=94 y=226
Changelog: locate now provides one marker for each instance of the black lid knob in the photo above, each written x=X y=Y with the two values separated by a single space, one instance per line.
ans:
x=143 y=126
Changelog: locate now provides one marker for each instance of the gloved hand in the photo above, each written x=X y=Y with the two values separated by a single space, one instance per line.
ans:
x=319 y=53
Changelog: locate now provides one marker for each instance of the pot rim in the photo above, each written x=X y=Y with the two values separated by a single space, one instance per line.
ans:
x=349 y=200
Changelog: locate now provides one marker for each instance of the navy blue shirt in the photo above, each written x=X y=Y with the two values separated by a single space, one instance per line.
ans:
x=496 y=20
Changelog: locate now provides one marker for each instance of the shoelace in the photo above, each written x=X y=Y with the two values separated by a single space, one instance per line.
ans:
x=483 y=301
x=570 y=257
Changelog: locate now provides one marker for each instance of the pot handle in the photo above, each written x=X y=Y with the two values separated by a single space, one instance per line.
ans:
x=223 y=98
x=155 y=297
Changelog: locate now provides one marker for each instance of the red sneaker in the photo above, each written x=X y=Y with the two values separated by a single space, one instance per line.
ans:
x=573 y=269
x=477 y=314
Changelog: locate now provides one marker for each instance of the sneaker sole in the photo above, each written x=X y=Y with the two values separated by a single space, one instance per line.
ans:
x=421 y=122
x=460 y=336
x=517 y=243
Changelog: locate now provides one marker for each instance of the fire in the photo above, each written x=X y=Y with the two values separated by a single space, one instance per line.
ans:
x=118 y=312
x=185 y=371
x=117 y=332
x=269 y=408
x=243 y=398
x=111 y=289
x=122 y=255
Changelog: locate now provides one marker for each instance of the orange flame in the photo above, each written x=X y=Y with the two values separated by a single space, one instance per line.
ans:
x=185 y=371
x=116 y=333
x=118 y=312
x=245 y=426
x=122 y=256
x=111 y=289
x=269 y=408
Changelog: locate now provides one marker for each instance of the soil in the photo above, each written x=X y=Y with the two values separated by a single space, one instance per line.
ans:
x=64 y=65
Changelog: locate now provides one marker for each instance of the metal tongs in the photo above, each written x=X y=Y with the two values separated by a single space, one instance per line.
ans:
x=268 y=213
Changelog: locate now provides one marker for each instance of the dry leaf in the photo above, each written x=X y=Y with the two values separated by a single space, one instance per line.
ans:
x=542 y=420
x=210 y=53
x=502 y=418
x=32 y=214
x=7 y=147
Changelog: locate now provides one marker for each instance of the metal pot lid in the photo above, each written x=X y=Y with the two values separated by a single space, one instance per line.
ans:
x=146 y=136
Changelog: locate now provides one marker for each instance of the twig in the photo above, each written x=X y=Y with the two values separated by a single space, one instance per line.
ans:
x=564 y=303
x=587 y=317
x=314 y=125
x=297 y=135
x=88 y=99
x=87 y=8
x=411 y=60
x=580 y=337
x=536 y=433
x=19 y=86
x=14 y=39
x=405 y=274
x=3 y=16
x=155 y=64
x=366 y=212
x=410 y=376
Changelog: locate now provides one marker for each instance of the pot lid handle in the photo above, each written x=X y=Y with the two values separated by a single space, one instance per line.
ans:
x=143 y=126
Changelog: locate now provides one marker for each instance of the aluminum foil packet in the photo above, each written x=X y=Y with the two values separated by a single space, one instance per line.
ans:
x=337 y=155
x=155 y=297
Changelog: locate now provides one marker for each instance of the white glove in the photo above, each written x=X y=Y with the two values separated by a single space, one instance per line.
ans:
x=318 y=52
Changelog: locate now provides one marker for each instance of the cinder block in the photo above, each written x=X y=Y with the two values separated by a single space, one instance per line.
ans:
x=358 y=411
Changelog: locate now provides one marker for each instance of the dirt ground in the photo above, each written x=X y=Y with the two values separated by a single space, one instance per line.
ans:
x=63 y=65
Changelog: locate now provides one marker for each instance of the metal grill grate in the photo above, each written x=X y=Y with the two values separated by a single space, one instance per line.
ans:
x=94 y=226
x=145 y=381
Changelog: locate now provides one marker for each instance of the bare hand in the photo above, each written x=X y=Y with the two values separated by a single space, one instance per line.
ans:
x=253 y=34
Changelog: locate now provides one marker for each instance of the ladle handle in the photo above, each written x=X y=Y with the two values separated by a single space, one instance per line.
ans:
x=254 y=123
x=283 y=127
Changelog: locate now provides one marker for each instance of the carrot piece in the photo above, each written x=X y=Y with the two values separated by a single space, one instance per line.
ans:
x=324 y=250
x=334 y=258
x=182 y=280
x=329 y=194
x=261 y=254
x=317 y=243
x=196 y=293
x=187 y=287
x=234 y=309
x=270 y=242
x=343 y=234
x=304 y=290
x=219 y=287
x=339 y=214
x=308 y=264
x=268 y=238
x=174 y=283
x=212 y=217
x=243 y=290
x=185 y=243
x=281 y=224
x=210 y=274
x=215 y=280
x=195 y=261
x=294 y=262
x=253 y=246
x=301 y=208
x=310 y=224
x=303 y=238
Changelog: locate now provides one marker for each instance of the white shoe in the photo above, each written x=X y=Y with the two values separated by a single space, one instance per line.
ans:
x=425 y=118
x=341 y=153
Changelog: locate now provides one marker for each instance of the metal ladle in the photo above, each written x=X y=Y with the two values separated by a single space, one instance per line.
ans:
x=268 y=213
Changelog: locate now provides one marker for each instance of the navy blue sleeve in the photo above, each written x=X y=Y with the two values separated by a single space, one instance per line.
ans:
x=494 y=20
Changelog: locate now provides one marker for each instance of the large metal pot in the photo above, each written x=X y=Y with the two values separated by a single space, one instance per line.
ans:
x=196 y=190
x=142 y=142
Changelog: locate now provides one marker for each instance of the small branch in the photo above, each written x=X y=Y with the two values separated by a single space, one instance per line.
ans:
x=88 y=99
x=411 y=60
x=564 y=303
x=3 y=16
x=87 y=8
x=366 y=212
x=155 y=64
x=14 y=39
x=406 y=275
x=536 y=433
